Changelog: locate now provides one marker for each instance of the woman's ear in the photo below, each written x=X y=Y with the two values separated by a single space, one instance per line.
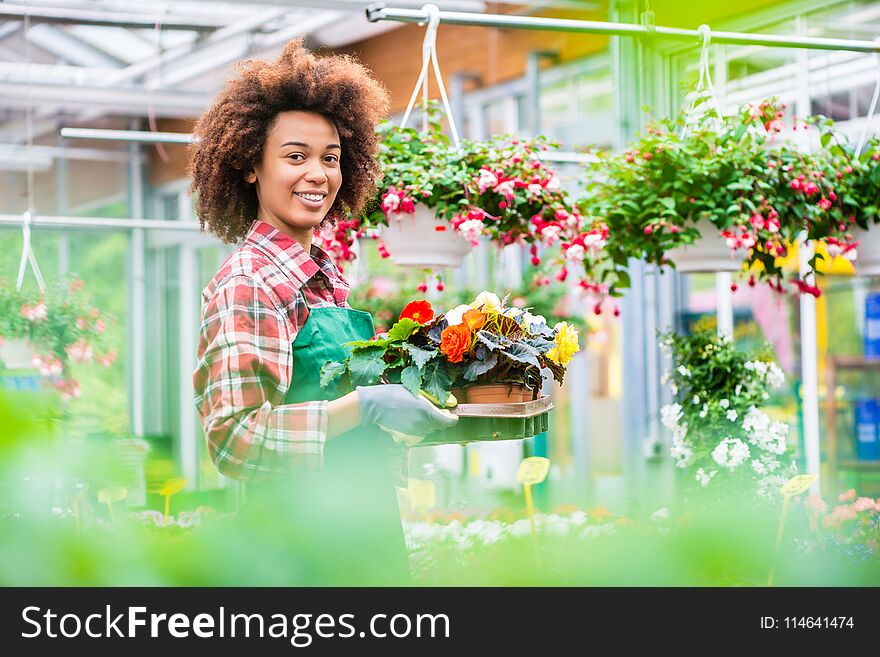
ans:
x=250 y=176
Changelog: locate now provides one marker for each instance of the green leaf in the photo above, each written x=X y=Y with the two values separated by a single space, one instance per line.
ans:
x=824 y=139
x=492 y=340
x=436 y=379
x=411 y=379
x=420 y=356
x=478 y=367
x=402 y=329
x=522 y=353
x=331 y=372
x=667 y=202
x=366 y=366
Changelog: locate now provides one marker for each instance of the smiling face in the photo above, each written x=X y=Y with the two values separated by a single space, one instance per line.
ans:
x=299 y=175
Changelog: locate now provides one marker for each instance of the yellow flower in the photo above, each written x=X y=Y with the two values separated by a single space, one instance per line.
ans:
x=566 y=344
x=487 y=302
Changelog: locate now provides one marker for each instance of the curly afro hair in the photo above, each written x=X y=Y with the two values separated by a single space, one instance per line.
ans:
x=233 y=130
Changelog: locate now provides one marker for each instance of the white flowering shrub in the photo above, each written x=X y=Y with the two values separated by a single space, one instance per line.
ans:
x=719 y=432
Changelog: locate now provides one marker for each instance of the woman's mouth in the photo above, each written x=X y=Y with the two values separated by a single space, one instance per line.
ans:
x=312 y=200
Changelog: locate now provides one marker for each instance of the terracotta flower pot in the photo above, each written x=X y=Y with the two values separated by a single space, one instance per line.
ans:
x=460 y=395
x=495 y=393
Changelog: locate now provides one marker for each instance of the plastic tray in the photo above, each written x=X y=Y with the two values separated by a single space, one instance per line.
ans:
x=494 y=422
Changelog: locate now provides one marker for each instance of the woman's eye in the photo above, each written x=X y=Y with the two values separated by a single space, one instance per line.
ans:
x=332 y=158
x=296 y=156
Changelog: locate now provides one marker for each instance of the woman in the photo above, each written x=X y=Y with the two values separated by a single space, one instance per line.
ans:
x=287 y=147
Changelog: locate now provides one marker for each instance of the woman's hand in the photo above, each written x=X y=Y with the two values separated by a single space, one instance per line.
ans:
x=394 y=407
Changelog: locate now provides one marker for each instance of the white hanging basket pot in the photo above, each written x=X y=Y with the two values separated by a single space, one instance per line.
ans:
x=867 y=263
x=420 y=240
x=709 y=253
x=16 y=353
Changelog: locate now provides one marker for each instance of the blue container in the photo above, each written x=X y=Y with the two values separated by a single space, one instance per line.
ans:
x=872 y=325
x=867 y=417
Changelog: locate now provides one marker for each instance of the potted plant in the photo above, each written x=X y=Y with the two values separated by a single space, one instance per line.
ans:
x=472 y=346
x=854 y=204
x=423 y=183
x=48 y=331
x=726 y=194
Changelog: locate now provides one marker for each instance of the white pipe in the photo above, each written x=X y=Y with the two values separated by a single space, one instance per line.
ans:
x=809 y=369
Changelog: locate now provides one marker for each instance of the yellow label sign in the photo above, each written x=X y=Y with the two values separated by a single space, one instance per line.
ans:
x=533 y=470
x=422 y=494
x=798 y=484
x=172 y=486
x=111 y=495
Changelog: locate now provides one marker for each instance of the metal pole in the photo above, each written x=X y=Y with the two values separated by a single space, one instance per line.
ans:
x=99 y=223
x=144 y=136
x=809 y=368
x=379 y=12
x=137 y=282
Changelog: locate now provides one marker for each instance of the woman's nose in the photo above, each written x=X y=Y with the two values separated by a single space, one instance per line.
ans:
x=316 y=172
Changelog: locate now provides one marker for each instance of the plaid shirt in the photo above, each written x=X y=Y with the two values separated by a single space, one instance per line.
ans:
x=252 y=312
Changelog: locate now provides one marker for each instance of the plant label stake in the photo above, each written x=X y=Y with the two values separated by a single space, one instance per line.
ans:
x=422 y=496
x=794 y=486
x=169 y=488
x=532 y=470
x=110 y=495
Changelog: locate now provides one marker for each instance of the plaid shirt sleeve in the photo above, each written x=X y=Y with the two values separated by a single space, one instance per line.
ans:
x=244 y=371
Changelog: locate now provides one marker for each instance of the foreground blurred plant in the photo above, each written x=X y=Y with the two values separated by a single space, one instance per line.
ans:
x=719 y=432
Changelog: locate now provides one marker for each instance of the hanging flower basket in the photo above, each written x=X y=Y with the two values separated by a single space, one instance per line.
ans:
x=868 y=261
x=420 y=240
x=709 y=253
x=16 y=353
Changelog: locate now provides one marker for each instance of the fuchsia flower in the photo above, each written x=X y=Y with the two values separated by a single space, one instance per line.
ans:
x=79 y=352
x=863 y=504
x=846 y=496
x=487 y=180
x=34 y=313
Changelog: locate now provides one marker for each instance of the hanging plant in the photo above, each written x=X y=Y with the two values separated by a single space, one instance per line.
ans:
x=731 y=177
x=49 y=331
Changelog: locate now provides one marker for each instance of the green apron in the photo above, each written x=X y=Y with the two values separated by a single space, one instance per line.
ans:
x=352 y=505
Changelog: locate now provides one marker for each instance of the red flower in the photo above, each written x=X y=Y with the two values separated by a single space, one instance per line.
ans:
x=454 y=342
x=419 y=311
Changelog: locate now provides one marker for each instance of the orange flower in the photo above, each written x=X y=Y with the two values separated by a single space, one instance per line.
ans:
x=474 y=319
x=455 y=341
x=418 y=311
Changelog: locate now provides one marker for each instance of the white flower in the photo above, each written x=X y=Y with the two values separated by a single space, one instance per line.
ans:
x=738 y=389
x=765 y=395
x=505 y=189
x=704 y=478
x=391 y=203
x=486 y=180
x=575 y=253
x=670 y=414
x=456 y=315
x=673 y=389
x=660 y=515
x=775 y=376
x=732 y=415
x=730 y=453
x=472 y=229
x=488 y=301
x=685 y=372
x=682 y=453
x=550 y=233
x=705 y=410
x=696 y=399
x=533 y=320
x=513 y=311
x=553 y=184
x=759 y=467
x=535 y=190
x=724 y=403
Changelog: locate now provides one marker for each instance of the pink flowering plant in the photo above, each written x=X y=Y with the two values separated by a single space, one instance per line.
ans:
x=737 y=172
x=854 y=519
x=62 y=328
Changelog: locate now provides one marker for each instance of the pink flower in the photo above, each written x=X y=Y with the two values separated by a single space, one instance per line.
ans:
x=107 y=359
x=100 y=326
x=846 y=496
x=390 y=203
x=506 y=189
x=863 y=504
x=472 y=229
x=755 y=111
x=81 y=323
x=79 y=352
x=487 y=180
x=575 y=253
x=757 y=221
x=816 y=503
x=824 y=204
